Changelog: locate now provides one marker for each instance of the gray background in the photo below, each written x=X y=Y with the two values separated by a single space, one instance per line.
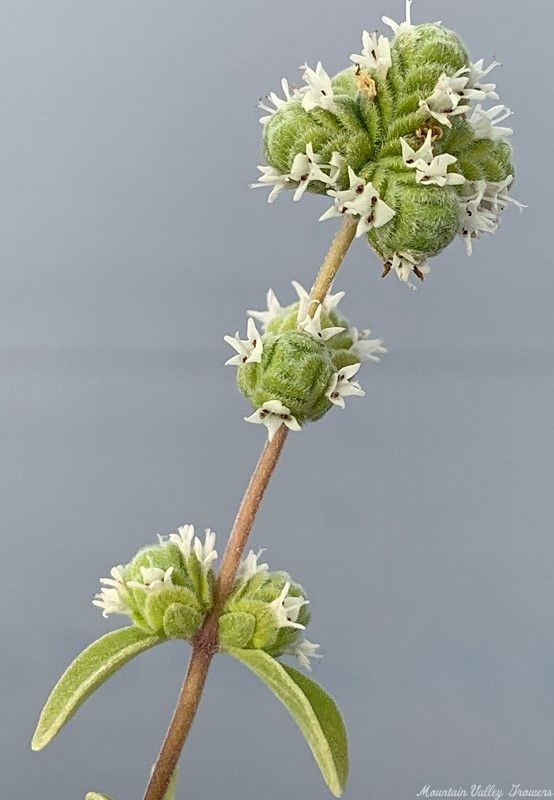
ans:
x=419 y=520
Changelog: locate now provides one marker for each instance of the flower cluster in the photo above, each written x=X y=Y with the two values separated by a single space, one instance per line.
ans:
x=303 y=363
x=266 y=610
x=397 y=143
x=167 y=588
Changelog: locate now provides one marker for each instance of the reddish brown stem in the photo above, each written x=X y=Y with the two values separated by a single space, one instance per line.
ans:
x=205 y=642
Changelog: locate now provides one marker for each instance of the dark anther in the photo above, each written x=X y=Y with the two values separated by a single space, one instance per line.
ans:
x=387 y=268
x=419 y=273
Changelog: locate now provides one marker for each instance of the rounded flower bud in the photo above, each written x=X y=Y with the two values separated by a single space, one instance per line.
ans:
x=167 y=588
x=301 y=364
x=266 y=611
x=400 y=140
x=295 y=368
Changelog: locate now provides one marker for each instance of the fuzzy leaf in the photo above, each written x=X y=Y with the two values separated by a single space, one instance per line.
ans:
x=236 y=629
x=181 y=622
x=89 y=671
x=313 y=710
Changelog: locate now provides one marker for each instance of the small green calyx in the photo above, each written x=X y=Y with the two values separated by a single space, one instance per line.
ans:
x=296 y=368
x=167 y=588
x=266 y=611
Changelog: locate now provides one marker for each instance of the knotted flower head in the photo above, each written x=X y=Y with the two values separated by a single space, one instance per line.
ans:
x=397 y=142
x=302 y=363
x=267 y=611
x=167 y=588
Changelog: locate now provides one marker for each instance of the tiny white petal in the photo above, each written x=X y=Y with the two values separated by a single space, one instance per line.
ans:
x=249 y=350
x=273 y=310
x=375 y=55
x=273 y=414
x=319 y=89
x=341 y=385
x=305 y=650
x=249 y=566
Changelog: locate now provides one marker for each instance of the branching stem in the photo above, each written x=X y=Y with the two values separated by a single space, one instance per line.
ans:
x=205 y=642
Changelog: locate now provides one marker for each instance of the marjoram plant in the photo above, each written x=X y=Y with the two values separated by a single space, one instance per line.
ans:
x=402 y=145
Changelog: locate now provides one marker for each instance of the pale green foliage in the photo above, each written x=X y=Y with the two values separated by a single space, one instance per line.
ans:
x=89 y=671
x=366 y=132
x=176 y=610
x=313 y=710
x=248 y=620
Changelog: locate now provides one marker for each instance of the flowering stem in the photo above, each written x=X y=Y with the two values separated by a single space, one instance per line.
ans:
x=205 y=642
x=335 y=257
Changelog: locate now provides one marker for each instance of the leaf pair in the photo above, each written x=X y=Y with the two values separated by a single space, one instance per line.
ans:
x=313 y=710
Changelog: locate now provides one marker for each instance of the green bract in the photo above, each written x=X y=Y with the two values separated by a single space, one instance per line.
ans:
x=167 y=588
x=295 y=368
x=265 y=612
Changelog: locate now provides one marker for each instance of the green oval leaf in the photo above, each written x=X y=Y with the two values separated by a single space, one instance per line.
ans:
x=89 y=671
x=236 y=629
x=313 y=710
x=181 y=622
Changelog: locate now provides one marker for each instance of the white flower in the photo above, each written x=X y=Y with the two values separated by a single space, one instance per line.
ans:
x=303 y=651
x=425 y=152
x=306 y=167
x=153 y=579
x=249 y=350
x=319 y=89
x=475 y=217
x=277 y=101
x=475 y=72
x=190 y=544
x=366 y=349
x=480 y=212
x=496 y=197
x=273 y=309
x=113 y=596
x=330 y=302
x=271 y=177
x=404 y=263
x=484 y=123
x=403 y=26
x=336 y=163
x=249 y=566
x=286 y=609
x=205 y=553
x=183 y=538
x=273 y=414
x=361 y=199
x=436 y=172
x=341 y=385
x=430 y=169
x=375 y=54
x=444 y=101
x=312 y=325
